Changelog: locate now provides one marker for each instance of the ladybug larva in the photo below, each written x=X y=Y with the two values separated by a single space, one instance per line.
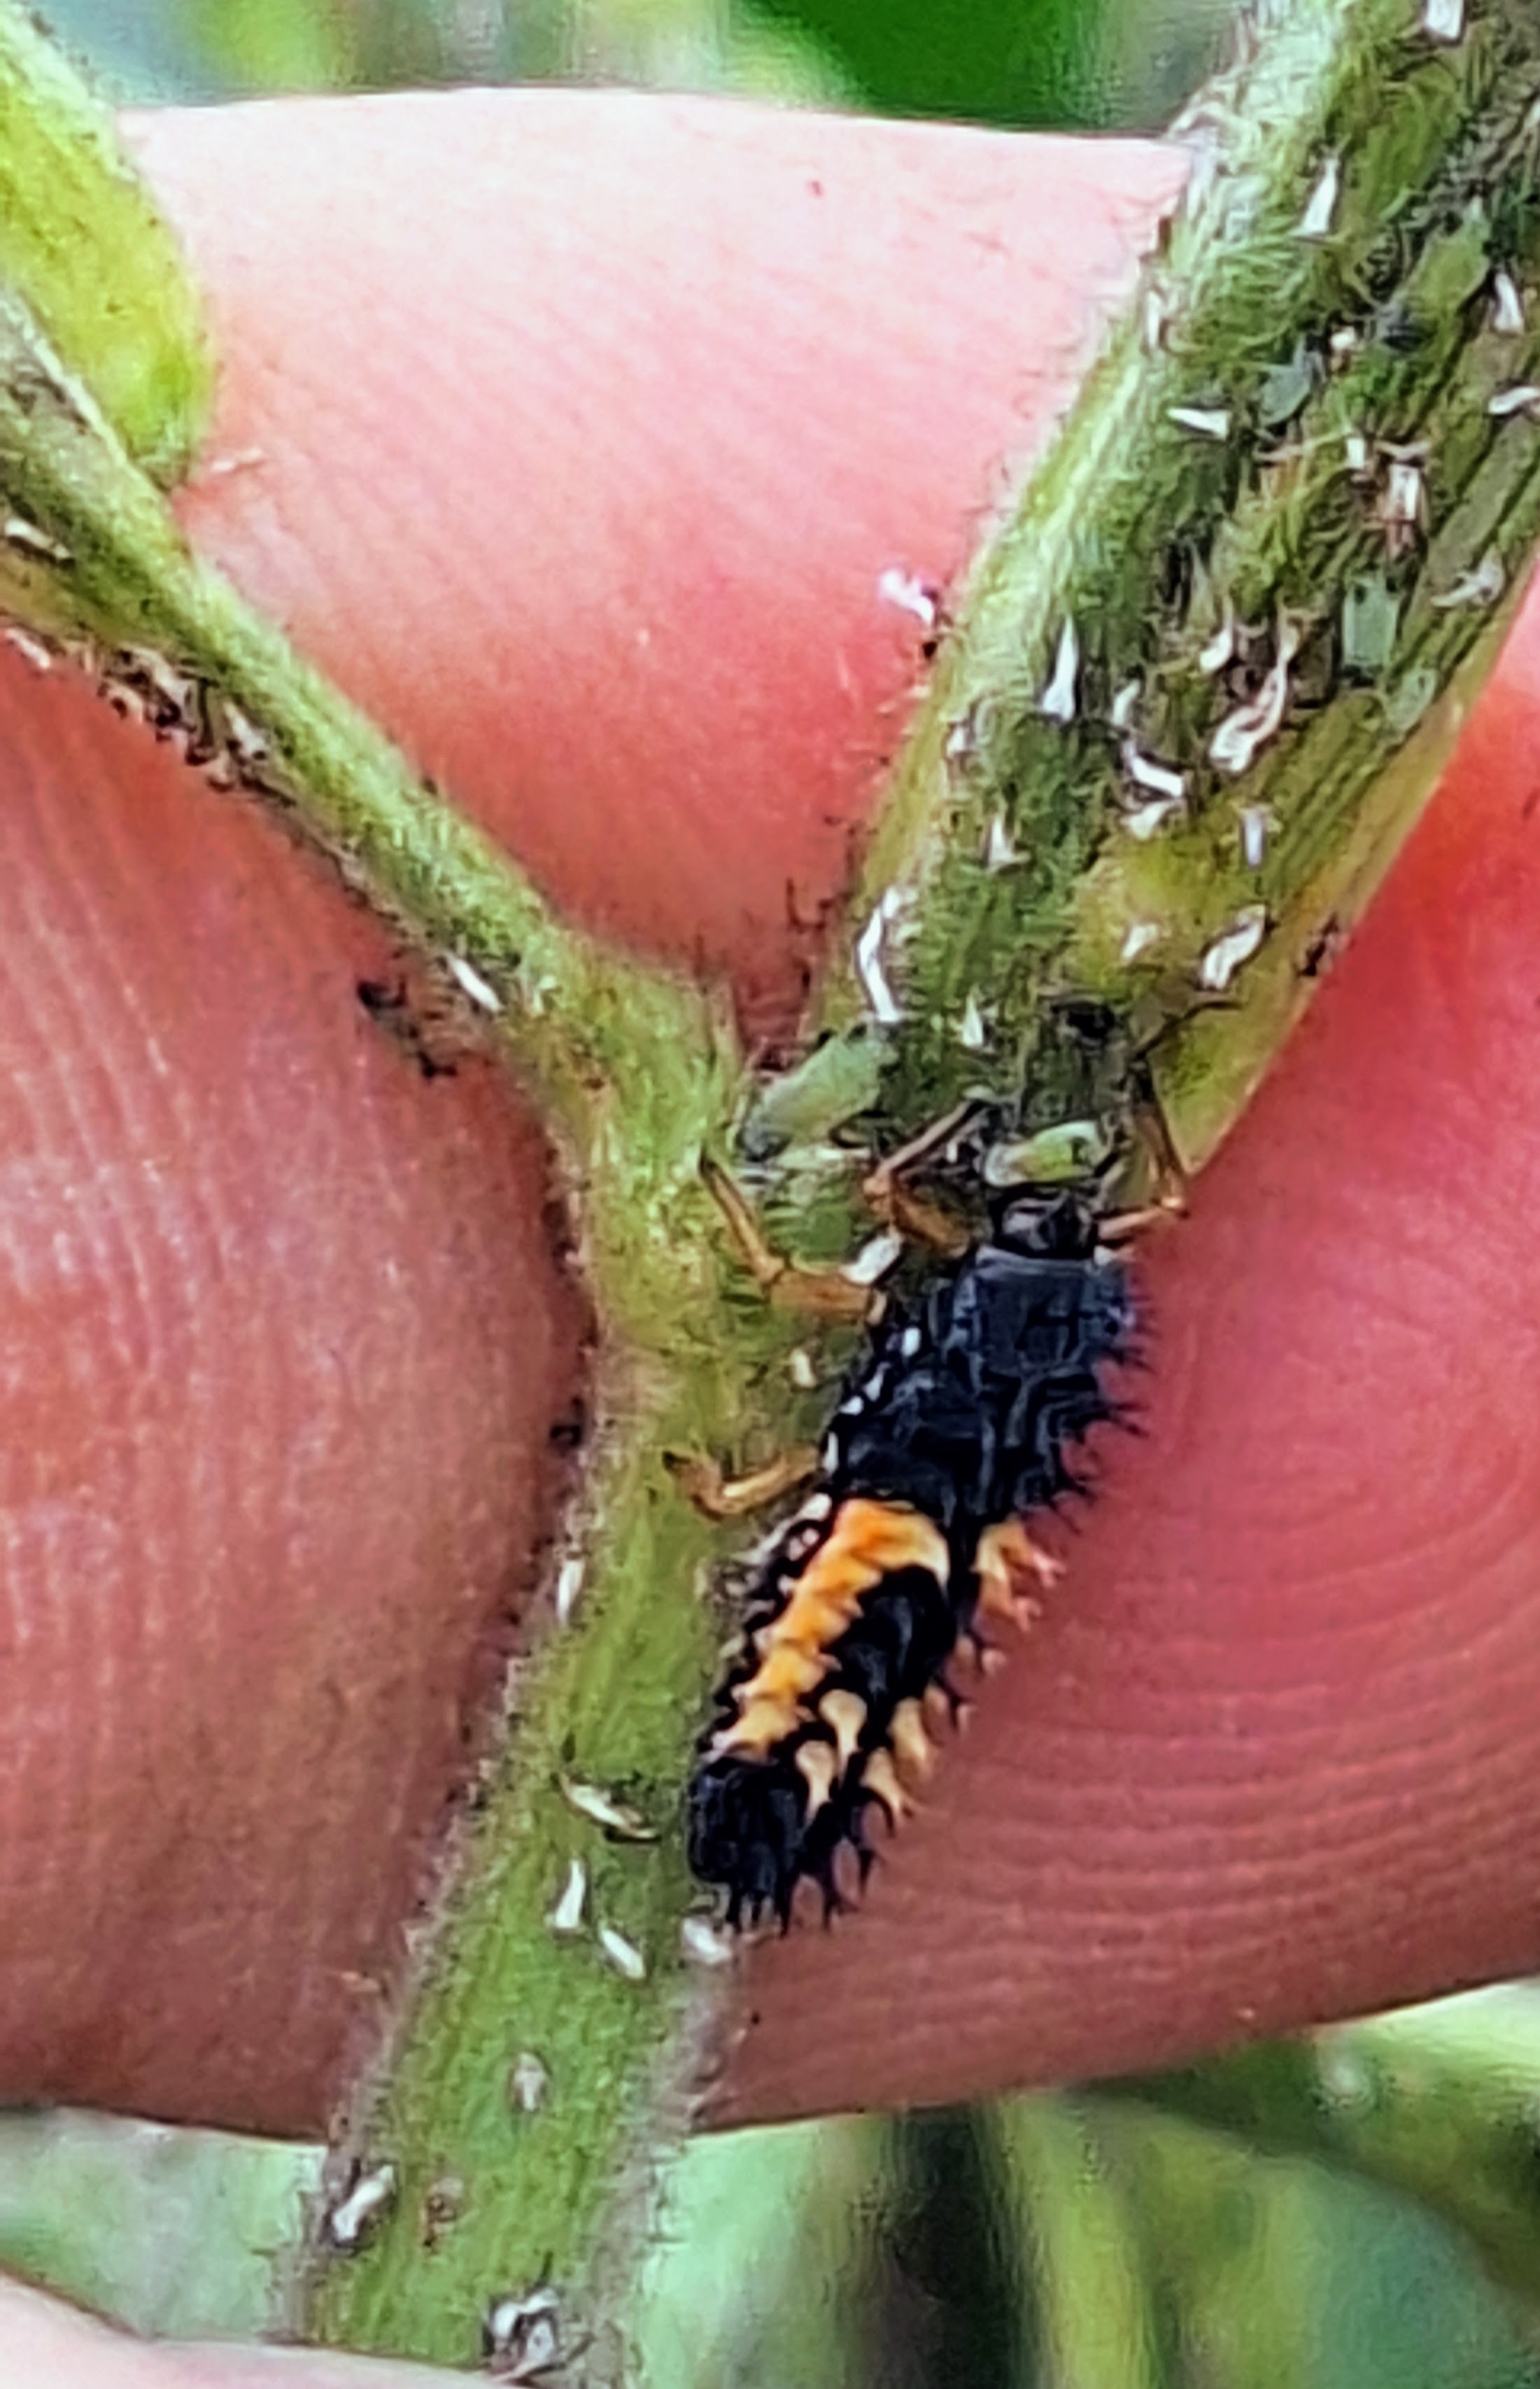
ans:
x=958 y=1422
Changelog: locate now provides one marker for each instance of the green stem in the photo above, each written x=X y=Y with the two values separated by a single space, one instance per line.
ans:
x=1292 y=432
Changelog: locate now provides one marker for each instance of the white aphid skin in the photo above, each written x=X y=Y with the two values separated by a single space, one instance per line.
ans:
x=1356 y=452
x=1216 y=652
x=1321 y=206
x=601 y=1807
x=567 y=1916
x=569 y=1586
x=523 y=2336
x=910 y=595
x=1138 y=940
x=876 y=1257
x=1124 y=704
x=1444 y=20
x=468 y=979
x=1158 y=779
x=1058 y=701
x=971 y=1032
x=968 y=733
x=703 y=1944
x=883 y=1004
x=1146 y=821
x=623 y=1955
x=1257 y=822
x=1208 y=422
x=800 y=1369
x=1401 y=508
x=348 y=2222
x=1523 y=398
x=529 y=2082
x=818 y=1506
x=908 y=1344
x=1000 y=852
x=247 y=742
x=1507 y=305
x=1482 y=586
x=1242 y=734
x=1231 y=952
x=31 y=650
x=239 y=460
x=33 y=541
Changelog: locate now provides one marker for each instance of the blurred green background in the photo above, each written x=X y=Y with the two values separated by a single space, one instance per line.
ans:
x=1107 y=63
x=1356 y=2211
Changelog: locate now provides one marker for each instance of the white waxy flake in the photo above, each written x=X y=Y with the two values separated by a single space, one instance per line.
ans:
x=1508 y=306
x=239 y=460
x=1155 y=316
x=245 y=741
x=569 y=1586
x=885 y=1006
x=1125 y=705
x=875 y=1259
x=601 y=1807
x=567 y=1917
x=1234 y=950
x=30 y=649
x=1208 y=422
x=1482 y=587
x=1444 y=20
x=702 y=1945
x=1523 y=398
x=33 y=541
x=910 y=595
x=800 y=1369
x=1355 y=450
x=1156 y=779
x=1000 y=852
x=1256 y=824
x=522 y=2337
x=1216 y=652
x=528 y=2081
x=468 y=979
x=1402 y=506
x=1243 y=732
x=1321 y=206
x=1146 y=820
x=970 y=1029
x=623 y=1955
x=348 y=2222
x=1058 y=700
x=1139 y=938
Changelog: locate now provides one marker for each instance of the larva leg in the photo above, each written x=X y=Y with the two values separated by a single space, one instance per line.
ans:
x=820 y=1292
x=908 y=1214
x=716 y=1496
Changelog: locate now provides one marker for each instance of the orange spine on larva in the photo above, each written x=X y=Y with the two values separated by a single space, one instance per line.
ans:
x=866 y=1542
